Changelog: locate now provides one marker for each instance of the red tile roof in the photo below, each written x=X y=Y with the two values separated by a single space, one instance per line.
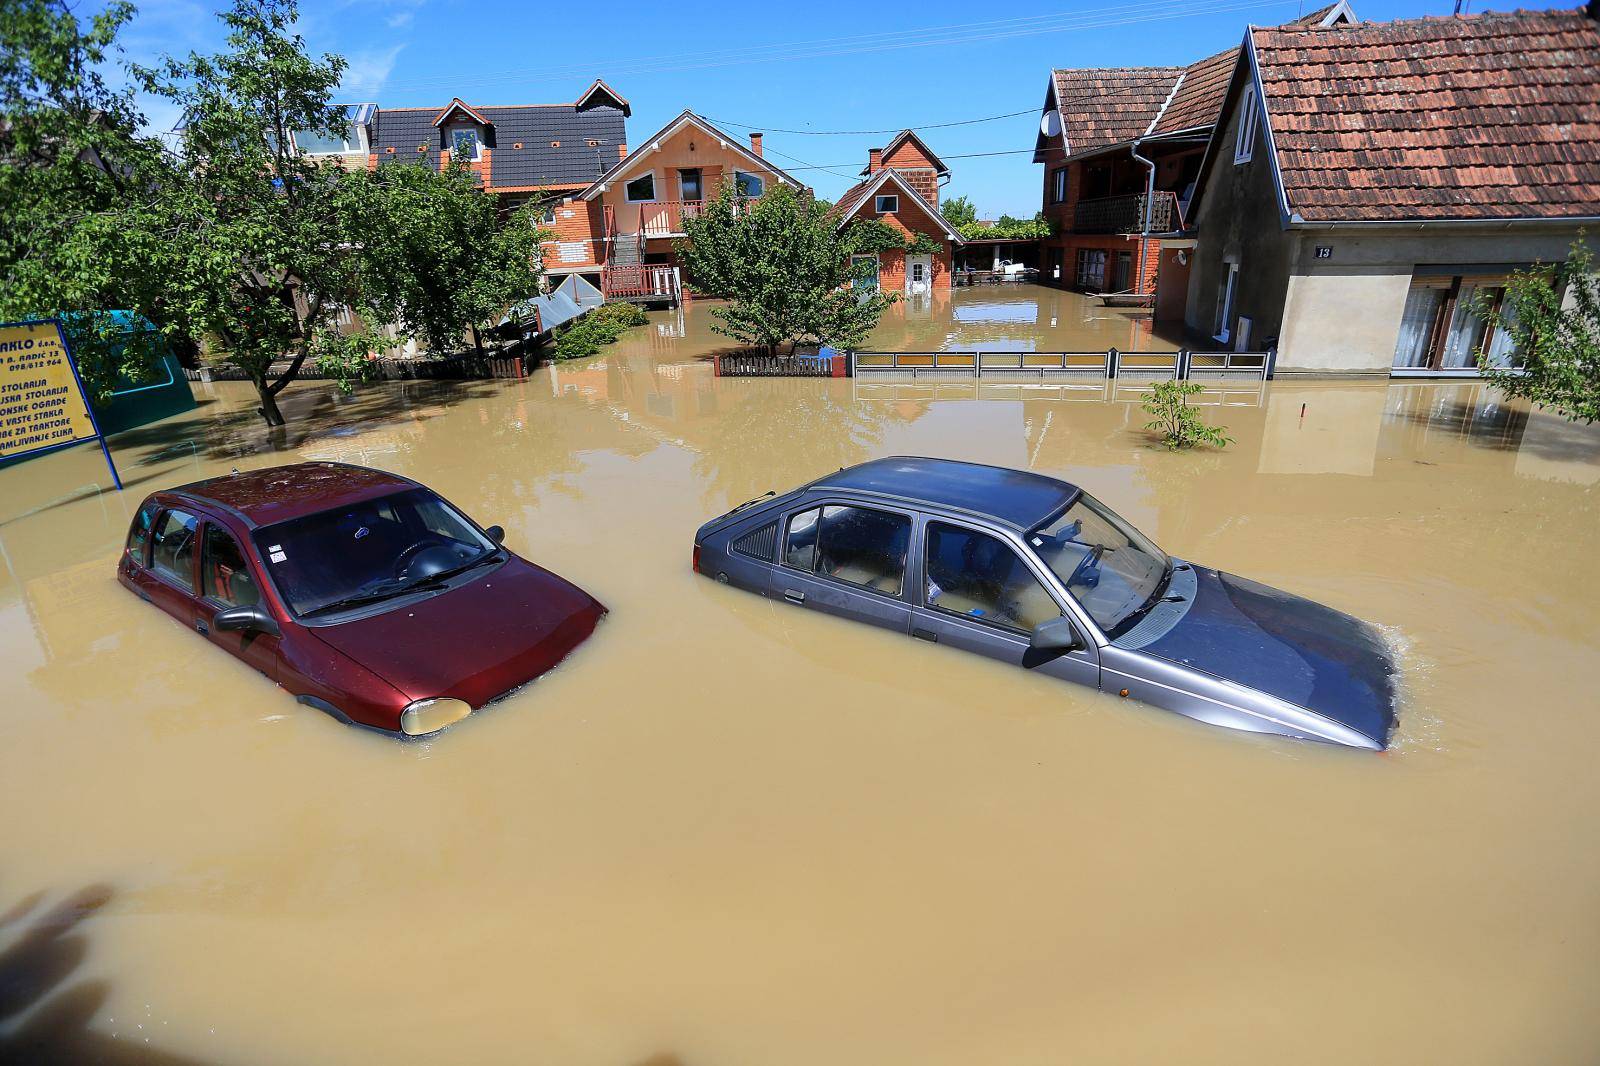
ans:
x=1199 y=97
x=1481 y=116
x=1103 y=106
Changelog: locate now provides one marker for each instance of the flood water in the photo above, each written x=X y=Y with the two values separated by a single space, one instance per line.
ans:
x=727 y=831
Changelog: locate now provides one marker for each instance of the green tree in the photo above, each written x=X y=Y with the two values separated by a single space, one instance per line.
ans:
x=70 y=158
x=785 y=269
x=958 y=211
x=433 y=255
x=1553 y=318
x=246 y=238
x=1179 y=424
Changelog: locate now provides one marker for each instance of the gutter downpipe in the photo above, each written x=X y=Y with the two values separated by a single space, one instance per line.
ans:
x=1149 y=195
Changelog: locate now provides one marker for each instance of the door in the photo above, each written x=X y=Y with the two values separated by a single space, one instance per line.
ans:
x=170 y=581
x=847 y=560
x=689 y=186
x=919 y=274
x=864 y=272
x=228 y=578
x=980 y=594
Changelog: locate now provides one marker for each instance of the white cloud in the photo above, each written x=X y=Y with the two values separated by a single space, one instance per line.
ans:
x=369 y=70
x=400 y=19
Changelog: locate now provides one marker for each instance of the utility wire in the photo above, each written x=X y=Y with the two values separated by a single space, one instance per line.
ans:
x=862 y=133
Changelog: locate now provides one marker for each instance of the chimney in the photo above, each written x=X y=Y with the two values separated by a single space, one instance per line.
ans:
x=622 y=150
x=755 y=138
x=875 y=156
x=1593 y=10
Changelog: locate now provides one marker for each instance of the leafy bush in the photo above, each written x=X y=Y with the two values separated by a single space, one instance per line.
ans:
x=585 y=336
x=1179 y=424
x=1553 y=316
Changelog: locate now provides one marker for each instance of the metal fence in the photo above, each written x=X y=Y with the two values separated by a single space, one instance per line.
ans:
x=1060 y=367
x=757 y=365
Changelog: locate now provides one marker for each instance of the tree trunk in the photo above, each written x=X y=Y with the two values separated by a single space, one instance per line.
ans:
x=269 y=404
x=477 y=341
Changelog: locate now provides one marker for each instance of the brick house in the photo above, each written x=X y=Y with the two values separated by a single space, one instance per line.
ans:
x=1365 y=183
x=900 y=187
x=1113 y=139
x=627 y=218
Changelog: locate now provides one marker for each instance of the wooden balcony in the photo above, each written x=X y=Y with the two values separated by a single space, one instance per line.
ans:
x=664 y=218
x=1125 y=214
x=643 y=283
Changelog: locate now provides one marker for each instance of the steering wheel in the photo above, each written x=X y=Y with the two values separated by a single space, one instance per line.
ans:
x=402 y=562
x=1086 y=565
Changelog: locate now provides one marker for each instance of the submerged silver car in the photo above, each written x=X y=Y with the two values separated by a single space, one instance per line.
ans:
x=1036 y=572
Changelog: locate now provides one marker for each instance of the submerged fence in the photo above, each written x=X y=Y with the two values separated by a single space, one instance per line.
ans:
x=1058 y=367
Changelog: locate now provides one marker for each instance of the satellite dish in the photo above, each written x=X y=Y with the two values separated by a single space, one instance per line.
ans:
x=1050 y=124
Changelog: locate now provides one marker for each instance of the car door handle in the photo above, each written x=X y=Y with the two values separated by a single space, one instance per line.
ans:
x=794 y=597
x=926 y=634
x=201 y=627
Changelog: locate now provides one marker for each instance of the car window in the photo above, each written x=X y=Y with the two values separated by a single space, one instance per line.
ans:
x=173 y=550
x=1109 y=567
x=224 y=572
x=367 y=548
x=139 y=533
x=800 y=546
x=863 y=547
x=975 y=575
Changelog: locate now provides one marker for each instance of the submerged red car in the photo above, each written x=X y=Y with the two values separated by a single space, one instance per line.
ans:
x=359 y=592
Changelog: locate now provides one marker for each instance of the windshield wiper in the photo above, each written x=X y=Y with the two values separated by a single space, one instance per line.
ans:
x=435 y=580
x=347 y=602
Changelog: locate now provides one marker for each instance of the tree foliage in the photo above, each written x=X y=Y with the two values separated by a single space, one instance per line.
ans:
x=70 y=157
x=785 y=269
x=1009 y=228
x=1553 y=318
x=432 y=253
x=959 y=211
x=1179 y=424
x=246 y=234
x=597 y=328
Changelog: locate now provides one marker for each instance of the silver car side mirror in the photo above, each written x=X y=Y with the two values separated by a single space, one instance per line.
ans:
x=1057 y=634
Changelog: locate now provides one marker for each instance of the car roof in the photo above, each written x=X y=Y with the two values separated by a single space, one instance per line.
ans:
x=277 y=493
x=1014 y=497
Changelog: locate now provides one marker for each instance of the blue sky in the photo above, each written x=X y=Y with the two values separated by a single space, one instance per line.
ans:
x=825 y=65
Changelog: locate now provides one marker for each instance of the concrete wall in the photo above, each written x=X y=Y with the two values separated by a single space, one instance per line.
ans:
x=1239 y=222
x=1342 y=313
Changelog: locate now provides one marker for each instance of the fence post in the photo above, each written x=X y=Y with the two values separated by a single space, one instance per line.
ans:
x=1183 y=364
x=1272 y=361
x=1111 y=362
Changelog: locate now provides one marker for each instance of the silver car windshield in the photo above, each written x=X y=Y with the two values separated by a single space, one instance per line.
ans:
x=1112 y=569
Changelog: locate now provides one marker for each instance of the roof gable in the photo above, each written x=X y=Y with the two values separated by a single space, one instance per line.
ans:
x=654 y=141
x=600 y=94
x=907 y=145
x=856 y=197
x=1491 y=116
x=458 y=104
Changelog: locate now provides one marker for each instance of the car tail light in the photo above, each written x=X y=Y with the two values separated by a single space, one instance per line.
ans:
x=696 y=562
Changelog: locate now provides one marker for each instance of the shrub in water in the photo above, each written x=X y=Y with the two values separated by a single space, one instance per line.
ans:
x=1179 y=424
x=588 y=334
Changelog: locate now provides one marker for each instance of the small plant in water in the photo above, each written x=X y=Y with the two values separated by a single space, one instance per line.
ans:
x=1179 y=424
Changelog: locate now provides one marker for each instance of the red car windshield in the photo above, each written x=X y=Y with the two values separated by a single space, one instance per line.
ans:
x=365 y=552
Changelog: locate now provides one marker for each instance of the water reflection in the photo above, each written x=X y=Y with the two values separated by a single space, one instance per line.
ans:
x=826 y=834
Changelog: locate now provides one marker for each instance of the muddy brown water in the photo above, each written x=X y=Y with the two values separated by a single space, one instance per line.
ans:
x=730 y=832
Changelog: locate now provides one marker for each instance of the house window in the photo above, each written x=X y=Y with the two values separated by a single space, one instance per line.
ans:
x=886 y=205
x=1058 y=185
x=750 y=186
x=864 y=272
x=1445 y=324
x=641 y=189
x=1226 y=295
x=1091 y=273
x=1249 y=117
x=464 y=143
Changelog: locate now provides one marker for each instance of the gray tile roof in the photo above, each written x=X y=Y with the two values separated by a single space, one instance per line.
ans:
x=535 y=127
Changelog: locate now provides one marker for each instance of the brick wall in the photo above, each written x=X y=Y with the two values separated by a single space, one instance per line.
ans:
x=577 y=228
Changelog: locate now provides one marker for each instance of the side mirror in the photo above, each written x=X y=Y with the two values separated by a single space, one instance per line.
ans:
x=1058 y=634
x=497 y=534
x=251 y=619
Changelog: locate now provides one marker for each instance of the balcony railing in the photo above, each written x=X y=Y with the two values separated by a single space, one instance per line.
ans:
x=1125 y=214
x=665 y=217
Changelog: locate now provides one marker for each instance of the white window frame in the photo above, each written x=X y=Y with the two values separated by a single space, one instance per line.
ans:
x=879 y=200
x=477 y=141
x=1244 y=142
x=627 y=193
x=1058 y=185
x=1225 y=312
x=759 y=179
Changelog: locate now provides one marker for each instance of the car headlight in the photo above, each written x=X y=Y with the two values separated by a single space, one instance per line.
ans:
x=429 y=716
